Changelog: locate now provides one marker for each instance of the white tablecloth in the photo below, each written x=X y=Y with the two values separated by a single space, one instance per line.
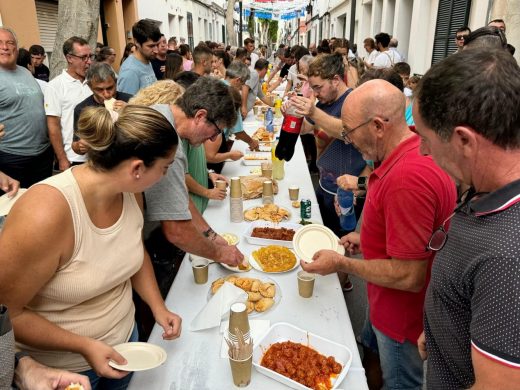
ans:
x=193 y=359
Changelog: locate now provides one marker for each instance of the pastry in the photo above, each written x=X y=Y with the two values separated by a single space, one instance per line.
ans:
x=216 y=285
x=264 y=304
x=267 y=290
x=254 y=296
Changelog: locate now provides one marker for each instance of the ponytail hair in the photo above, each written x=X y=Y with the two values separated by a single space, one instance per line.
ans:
x=135 y=132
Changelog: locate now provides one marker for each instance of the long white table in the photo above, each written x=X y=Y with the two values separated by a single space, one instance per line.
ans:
x=194 y=361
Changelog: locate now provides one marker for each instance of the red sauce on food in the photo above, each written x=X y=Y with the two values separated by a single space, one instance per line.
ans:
x=301 y=364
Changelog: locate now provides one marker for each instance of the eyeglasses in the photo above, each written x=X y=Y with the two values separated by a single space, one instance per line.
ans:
x=219 y=130
x=461 y=37
x=345 y=134
x=440 y=236
x=84 y=58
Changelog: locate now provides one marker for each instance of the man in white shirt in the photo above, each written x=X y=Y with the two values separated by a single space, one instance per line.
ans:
x=392 y=46
x=62 y=94
x=249 y=44
x=386 y=58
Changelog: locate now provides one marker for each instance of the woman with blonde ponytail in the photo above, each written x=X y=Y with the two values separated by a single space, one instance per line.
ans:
x=71 y=249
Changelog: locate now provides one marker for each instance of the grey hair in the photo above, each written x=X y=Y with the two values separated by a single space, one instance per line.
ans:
x=306 y=59
x=100 y=72
x=10 y=30
x=238 y=69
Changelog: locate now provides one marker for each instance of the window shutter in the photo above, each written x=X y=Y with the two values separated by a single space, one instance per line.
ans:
x=47 y=14
x=452 y=15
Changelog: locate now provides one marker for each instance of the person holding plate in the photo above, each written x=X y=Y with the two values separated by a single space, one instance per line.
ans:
x=68 y=268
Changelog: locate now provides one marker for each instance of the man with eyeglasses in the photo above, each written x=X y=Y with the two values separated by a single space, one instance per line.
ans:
x=472 y=309
x=408 y=197
x=137 y=71
x=62 y=94
x=460 y=35
x=25 y=151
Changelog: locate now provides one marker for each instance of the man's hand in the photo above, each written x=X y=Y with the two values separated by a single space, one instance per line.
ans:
x=347 y=182
x=63 y=164
x=98 y=354
x=170 y=322
x=254 y=144
x=216 y=194
x=80 y=147
x=119 y=104
x=31 y=375
x=352 y=243
x=304 y=106
x=324 y=262
x=421 y=345
x=229 y=254
x=243 y=111
x=2 y=131
x=217 y=176
x=9 y=185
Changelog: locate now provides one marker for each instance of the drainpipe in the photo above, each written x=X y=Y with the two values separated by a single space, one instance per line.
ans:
x=352 y=20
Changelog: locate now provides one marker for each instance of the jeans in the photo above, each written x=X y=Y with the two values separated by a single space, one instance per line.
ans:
x=28 y=170
x=100 y=383
x=401 y=364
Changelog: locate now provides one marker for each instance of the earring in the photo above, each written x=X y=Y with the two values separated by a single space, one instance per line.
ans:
x=137 y=176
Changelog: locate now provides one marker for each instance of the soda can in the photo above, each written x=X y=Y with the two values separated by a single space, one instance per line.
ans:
x=305 y=208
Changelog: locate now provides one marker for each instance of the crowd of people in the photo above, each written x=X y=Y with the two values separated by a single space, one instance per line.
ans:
x=129 y=160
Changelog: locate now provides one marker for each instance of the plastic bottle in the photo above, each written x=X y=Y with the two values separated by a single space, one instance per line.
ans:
x=277 y=107
x=278 y=165
x=291 y=126
x=264 y=87
x=268 y=122
x=347 y=219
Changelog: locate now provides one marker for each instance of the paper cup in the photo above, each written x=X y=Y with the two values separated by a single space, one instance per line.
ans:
x=241 y=371
x=267 y=170
x=221 y=184
x=236 y=190
x=200 y=266
x=238 y=319
x=305 y=284
x=267 y=188
x=294 y=193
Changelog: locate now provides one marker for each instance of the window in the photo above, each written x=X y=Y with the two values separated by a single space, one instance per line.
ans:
x=451 y=16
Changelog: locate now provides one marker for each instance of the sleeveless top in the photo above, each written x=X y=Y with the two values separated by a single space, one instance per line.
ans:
x=91 y=294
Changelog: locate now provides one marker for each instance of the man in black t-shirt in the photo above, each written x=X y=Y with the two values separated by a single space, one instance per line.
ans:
x=468 y=121
x=159 y=62
x=102 y=81
x=39 y=69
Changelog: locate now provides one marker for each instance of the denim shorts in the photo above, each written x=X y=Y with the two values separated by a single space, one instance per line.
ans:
x=401 y=363
x=100 y=383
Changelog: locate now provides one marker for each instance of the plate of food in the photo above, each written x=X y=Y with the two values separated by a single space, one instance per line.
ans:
x=263 y=293
x=262 y=135
x=256 y=158
x=273 y=259
x=268 y=212
x=271 y=233
x=327 y=361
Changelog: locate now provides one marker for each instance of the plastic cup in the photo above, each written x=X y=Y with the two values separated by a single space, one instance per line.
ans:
x=221 y=184
x=294 y=193
x=200 y=266
x=305 y=284
x=267 y=170
x=241 y=371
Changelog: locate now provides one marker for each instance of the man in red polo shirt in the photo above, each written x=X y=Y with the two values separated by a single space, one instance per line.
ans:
x=408 y=198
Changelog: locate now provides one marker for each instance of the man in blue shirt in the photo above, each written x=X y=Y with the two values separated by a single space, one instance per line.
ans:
x=137 y=71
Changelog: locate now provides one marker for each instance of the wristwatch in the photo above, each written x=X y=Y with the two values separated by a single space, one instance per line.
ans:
x=362 y=183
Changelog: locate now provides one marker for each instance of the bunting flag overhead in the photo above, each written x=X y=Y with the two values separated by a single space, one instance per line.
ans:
x=275 y=9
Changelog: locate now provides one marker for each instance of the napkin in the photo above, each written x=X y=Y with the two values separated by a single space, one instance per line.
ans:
x=211 y=314
x=257 y=329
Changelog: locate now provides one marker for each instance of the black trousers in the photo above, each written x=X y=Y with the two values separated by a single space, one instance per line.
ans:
x=28 y=170
x=166 y=260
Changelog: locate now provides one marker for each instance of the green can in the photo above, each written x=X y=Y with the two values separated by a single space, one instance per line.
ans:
x=305 y=208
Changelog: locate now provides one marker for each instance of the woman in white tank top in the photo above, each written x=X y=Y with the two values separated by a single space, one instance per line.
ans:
x=71 y=248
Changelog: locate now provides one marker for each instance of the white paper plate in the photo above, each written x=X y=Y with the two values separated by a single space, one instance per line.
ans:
x=264 y=279
x=140 y=356
x=257 y=266
x=311 y=238
x=235 y=269
x=283 y=331
x=7 y=203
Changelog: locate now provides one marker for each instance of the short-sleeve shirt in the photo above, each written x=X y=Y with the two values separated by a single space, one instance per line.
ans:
x=198 y=170
x=293 y=77
x=254 y=83
x=408 y=197
x=238 y=127
x=386 y=59
x=22 y=113
x=42 y=73
x=285 y=70
x=135 y=75
x=473 y=301
x=156 y=65
x=168 y=199
x=372 y=56
x=62 y=95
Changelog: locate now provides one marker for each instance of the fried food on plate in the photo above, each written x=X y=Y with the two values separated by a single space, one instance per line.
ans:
x=275 y=258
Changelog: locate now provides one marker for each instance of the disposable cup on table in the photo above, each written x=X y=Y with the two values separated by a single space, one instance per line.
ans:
x=221 y=184
x=294 y=192
x=267 y=170
x=241 y=371
x=238 y=319
x=305 y=284
x=200 y=266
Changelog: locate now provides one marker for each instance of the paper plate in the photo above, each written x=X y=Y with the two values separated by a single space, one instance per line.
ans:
x=140 y=356
x=236 y=269
x=6 y=203
x=258 y=267
x=312 y=238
